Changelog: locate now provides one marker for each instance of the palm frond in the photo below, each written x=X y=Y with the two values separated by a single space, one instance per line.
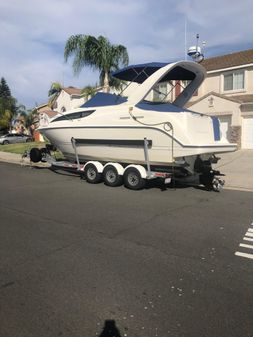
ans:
x=96 y=53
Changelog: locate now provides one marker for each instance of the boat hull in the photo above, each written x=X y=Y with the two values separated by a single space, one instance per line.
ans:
x=126 y=144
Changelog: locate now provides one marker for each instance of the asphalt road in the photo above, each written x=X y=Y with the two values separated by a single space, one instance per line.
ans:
x=89 y=260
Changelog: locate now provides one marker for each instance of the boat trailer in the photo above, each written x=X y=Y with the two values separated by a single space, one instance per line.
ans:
x=114 y=174
x=133 y=176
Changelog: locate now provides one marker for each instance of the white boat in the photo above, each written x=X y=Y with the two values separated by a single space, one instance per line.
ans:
x=114 y=128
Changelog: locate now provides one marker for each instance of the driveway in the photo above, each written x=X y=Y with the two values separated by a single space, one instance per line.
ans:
x=238 y=168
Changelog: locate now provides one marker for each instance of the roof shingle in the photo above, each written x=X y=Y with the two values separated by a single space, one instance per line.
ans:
x=230 y=60
x=72 y=91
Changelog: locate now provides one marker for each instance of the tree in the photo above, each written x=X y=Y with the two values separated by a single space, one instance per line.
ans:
x=55 y=88
x=7 y=105
x=96 y=53
x=4 y=89
x=53 y=92
x=5 y=119
x=88 y=92
x=30 y=118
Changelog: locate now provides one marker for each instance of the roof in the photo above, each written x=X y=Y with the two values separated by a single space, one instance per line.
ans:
x=230 y=60
x=47 y=110
x=43 y=108
x=244 y=98
x=213 y=93
x=72 y=91
x=50 y=113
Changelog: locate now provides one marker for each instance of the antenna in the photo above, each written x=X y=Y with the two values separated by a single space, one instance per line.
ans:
x=185 y=39
x=195 y=51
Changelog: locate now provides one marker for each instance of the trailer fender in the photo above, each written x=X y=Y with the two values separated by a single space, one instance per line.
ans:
x=118 y=167
x=140 y=168
x=97 y=164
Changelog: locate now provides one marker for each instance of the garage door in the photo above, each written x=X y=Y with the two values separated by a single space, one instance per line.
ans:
x=247 y=133
x=225 y=126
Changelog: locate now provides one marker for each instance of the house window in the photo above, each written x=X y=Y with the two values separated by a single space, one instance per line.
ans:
x=234 y=81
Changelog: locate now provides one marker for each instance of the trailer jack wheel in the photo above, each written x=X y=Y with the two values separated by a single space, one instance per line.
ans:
x=212 y=183
x=218 y=184
x=35 y=155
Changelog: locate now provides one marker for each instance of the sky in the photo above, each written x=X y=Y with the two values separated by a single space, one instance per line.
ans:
x=33 y=34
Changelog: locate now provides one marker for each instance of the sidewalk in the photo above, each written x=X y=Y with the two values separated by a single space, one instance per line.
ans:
x=14 y=158
x=10 y=157
x=237 y=166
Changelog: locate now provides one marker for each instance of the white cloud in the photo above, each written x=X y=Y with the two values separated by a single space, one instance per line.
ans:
x=219 y=22
x=33 y=34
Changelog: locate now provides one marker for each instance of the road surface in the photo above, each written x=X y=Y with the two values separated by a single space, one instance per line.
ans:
x=89 y=260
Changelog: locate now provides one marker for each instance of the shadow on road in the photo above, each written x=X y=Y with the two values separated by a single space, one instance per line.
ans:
x=150 y=184
x=110 y=329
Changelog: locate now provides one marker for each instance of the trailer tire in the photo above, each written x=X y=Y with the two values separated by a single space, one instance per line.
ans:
x=91 y=174
x=111 y=176
x=133 y=179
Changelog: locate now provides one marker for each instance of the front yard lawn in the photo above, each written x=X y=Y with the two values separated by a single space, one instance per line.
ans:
x=20 y=148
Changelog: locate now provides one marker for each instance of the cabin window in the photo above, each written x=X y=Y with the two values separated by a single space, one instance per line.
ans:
x=234 y=81
x=74 y=115
x=161 y=93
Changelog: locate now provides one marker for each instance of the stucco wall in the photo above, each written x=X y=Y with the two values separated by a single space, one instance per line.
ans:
x=213 y=105
x=214 y=82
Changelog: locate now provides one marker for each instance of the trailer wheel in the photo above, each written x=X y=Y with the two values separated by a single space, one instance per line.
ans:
x=111 y=176
x=92 y=175
x=133 y=179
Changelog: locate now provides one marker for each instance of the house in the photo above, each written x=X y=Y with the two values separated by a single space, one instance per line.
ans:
x=68 y=98
x=42 y=109
x=227 y=93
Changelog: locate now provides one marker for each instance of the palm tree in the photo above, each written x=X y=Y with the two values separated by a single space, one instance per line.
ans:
x=88 y=92
x=53 y=92
x=96 y=53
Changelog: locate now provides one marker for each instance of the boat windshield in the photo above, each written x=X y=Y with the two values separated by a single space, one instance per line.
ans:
x=166 y=92
x=104 y=99
x=162 y=83
x=153 y=82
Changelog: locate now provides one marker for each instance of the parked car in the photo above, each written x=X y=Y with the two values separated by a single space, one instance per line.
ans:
x=11 y=138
